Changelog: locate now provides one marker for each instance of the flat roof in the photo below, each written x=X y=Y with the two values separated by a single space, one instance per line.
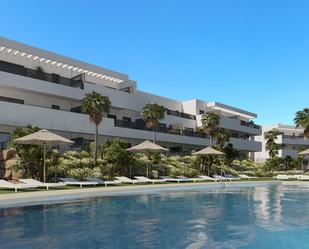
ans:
x=282 y=127
x=230 y=109
x=20 y=49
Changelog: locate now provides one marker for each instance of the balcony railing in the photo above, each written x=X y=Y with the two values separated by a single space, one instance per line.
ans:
x=162 y=128
x=249 y=124
x=301 y=137
x=41 y=75
x=180 y=114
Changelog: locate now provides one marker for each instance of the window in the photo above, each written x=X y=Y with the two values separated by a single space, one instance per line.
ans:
x=12 y=100
x=202 y=112
x=56 y=107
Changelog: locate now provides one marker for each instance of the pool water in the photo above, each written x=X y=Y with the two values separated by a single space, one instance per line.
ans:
x=267 y=216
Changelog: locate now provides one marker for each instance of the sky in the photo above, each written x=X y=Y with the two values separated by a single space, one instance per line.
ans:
x=250 y=54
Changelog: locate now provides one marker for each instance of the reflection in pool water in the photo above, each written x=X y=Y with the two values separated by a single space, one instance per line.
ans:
x=274 y=216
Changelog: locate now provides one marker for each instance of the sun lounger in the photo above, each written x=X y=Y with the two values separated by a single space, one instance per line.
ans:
x=124 y=179
x=284 y=177
x=101 y=182
x=304 y=178
x=232 y=178
x=220 y=178
x=42 y=184
x=246 y=177
x=145 y=179
x=297 y=177
x=9 y=185
x=171 y=179
x=189 y=179
x=207 y=178
x=72 y=181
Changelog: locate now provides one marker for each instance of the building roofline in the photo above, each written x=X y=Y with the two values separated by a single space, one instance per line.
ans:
x=230 y=108
x=21 y=47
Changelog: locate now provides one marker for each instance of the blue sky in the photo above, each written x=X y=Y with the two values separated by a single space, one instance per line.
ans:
x=249 y=54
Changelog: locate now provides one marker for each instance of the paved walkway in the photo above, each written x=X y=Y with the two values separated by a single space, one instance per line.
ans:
x=61 y=195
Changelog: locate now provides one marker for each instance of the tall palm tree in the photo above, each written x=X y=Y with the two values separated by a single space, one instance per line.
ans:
x=222 y=135
x=152 y=114
x=302 y=121
x=97 y=106
x=210 y=122
x=271 y=146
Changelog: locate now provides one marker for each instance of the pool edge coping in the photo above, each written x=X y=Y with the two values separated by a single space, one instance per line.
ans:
x=65 y=195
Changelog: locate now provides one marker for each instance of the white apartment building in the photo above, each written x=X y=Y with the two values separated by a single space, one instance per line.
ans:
x=291 y=140
x=51 y=99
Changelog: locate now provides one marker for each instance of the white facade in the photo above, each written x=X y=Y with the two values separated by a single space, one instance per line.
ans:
x=52 y=100
x=291 y=140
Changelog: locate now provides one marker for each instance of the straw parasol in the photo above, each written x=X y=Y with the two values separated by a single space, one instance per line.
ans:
x=146 y=147
x=208 y=151
x=43 y=137
x=304 y=153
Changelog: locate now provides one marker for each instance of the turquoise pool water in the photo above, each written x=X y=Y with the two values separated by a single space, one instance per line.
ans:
x=273 y=216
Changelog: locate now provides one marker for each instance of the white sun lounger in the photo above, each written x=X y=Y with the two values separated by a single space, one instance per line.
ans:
x=72 y=181
x=207 y=178
x=231 y=177
x=15 y=186
x=171 y=179
x=42 y=184
x=304 y=178
x=246 y=177
x=145 y=179
x=220 y=178
x=101 y=182
x=284 y=177
x=190 y=179
x=124 y=179
x=297 y=177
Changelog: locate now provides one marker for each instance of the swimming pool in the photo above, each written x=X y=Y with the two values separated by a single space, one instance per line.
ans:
x=262 y=216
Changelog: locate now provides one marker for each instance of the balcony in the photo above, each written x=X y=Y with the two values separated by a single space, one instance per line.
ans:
x=249 y=124
x=14 y=114
x=301 y=137
x=75 y=82
x=180 y=114
x=140 y=125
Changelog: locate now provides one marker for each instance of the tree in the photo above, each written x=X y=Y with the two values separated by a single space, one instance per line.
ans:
x=97 y=106
x=222 y=135
x=302 y=121
x=152 y=114
x=230 y=154
x=115 y=154
x=271 y=146
x=29 y=157
x=210 y=122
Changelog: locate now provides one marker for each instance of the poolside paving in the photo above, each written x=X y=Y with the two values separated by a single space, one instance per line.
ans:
x=74 y=194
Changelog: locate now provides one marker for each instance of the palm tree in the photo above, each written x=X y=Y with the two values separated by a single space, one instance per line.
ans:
x=210 y=122
x=96 y=106
x=271 y=146
x=302 y=121
x=152 y=114
x=222 y=135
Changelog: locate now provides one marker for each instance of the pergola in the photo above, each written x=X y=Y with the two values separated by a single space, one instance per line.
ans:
x=57 y=64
